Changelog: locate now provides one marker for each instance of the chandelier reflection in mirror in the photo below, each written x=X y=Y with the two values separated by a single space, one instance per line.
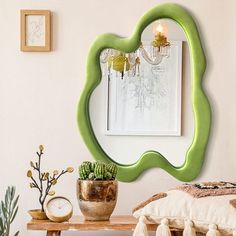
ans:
x=128 y=64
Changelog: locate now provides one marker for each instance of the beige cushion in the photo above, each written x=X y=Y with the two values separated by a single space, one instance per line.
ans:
x=179 y=206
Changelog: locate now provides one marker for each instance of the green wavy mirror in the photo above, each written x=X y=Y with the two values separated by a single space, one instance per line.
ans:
x=195 y=154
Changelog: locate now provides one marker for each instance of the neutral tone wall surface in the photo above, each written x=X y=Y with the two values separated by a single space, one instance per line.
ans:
x=39 y=94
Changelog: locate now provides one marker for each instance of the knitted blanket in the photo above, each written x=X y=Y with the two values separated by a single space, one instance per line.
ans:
x=208 y=189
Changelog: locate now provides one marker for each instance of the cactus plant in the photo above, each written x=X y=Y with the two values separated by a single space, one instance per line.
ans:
x=84 y=170
x=108 y=175
x=97 y=171
x=112 y=168
x=91 y=176
x=82 y=173
x=93 y=166
x=100 y=170
x=88 y=164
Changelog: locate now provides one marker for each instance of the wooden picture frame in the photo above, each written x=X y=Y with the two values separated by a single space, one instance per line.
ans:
x=35 y=30
x=122 y=113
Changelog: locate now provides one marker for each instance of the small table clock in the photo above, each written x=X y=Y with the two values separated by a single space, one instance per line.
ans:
x=58 y=209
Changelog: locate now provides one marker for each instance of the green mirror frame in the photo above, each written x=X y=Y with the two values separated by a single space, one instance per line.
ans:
x=201 y=108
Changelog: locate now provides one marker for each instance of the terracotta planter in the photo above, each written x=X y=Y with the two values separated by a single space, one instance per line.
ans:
x=97 y=199
x=38 y=214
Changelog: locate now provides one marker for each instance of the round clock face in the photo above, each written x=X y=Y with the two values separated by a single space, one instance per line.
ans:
x=59 y=207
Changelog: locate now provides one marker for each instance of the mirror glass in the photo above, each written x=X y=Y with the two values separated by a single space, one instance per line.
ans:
x=144 y=99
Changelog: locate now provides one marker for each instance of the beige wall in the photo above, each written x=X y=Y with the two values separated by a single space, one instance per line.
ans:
x=39 y=93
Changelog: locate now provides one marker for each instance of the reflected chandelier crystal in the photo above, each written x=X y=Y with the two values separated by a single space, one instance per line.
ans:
x=130 y=62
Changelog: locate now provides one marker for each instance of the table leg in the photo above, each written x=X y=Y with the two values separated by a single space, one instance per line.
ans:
x=53 y=233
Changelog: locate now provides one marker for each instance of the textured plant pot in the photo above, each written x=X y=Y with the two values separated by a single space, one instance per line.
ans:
x=97 y=199
x=38 y=214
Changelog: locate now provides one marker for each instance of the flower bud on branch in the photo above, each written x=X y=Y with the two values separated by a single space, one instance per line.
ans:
x=45 y=180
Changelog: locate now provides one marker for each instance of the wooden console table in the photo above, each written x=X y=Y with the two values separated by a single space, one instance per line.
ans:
x=116 y=223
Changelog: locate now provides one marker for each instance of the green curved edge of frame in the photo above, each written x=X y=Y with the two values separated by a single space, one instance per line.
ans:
x=202 y=112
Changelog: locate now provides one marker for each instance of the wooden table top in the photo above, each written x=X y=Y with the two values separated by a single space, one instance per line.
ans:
x=119 y=223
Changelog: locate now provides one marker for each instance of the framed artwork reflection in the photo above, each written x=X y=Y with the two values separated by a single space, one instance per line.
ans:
x=35 y=30
x=149 y=103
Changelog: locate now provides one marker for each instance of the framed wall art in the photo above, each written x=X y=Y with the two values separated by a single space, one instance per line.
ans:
x=35 y=30
x=148 y=103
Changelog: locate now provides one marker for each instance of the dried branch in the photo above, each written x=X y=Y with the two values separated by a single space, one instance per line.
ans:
x=45 y=180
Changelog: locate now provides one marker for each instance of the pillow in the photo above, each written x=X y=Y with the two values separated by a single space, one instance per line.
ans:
x=215 y=215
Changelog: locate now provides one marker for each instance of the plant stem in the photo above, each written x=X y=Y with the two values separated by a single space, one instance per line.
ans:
x=40 y=179
x=49 y=184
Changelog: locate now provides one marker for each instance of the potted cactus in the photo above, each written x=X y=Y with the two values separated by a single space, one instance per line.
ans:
x=97 y=190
